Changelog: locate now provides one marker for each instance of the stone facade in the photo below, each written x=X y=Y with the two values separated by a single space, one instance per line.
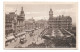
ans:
x=10 y=23
x=14 y=23
x=20 y=21
x=60 y=21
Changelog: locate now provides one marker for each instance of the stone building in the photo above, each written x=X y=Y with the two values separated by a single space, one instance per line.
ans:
x=14 y=23
x=20 y=21
x=60 y=21
x=10 y=23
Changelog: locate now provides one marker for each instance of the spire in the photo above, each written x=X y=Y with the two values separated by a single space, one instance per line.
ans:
x=50 y=9
x=22 y=12
x=51 y=12
x=21 y=8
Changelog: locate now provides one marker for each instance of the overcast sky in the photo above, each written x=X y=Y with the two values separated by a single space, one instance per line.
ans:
x=41 y=10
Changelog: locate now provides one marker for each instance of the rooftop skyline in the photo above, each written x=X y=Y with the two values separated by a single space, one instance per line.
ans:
x=41 y=10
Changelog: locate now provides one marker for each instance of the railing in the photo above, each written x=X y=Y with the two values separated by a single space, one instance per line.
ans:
x=70 y=33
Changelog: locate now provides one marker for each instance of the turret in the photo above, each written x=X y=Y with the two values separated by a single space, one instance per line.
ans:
x=51 y=13
x=22 y=12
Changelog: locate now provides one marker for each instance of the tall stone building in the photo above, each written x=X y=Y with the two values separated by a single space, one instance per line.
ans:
x=60 y=21
x=14 y=23
x=50 y=21
x=20 y=21
x=10 y=23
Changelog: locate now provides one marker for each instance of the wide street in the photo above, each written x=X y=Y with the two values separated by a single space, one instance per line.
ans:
x=54 y=40
x=35 y=38
x=32 y=39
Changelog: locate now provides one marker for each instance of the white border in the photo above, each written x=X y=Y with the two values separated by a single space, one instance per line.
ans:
x=42 y=3
x=1 y=28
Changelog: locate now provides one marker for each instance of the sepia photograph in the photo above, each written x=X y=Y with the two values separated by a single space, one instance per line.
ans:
x=40 y=25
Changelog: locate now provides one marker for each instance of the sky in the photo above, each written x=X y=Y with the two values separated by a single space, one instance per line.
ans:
x=41 y=10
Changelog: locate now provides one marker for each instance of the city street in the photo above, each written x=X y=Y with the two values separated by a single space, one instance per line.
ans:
x=55 y=40
x=30 y=39
x=33 y=39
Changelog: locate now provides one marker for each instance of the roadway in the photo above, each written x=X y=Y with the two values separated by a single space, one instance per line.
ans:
x=32 y=39
x=56 y=41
